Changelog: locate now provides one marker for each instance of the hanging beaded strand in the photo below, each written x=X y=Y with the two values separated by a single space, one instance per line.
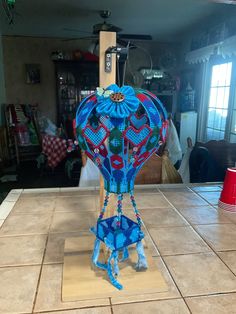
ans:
x=103 y=210
x=135 y=208
x=119 y=209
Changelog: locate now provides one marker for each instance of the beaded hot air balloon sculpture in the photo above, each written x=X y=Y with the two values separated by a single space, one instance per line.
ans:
x=119 y=129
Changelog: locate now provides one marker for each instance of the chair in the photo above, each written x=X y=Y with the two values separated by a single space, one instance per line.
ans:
x=19 y=118
x=4 y=154
x=158 y=169
x=208 y=161
x=151 y=172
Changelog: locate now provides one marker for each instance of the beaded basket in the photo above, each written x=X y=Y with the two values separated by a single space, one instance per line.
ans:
x=118 y=238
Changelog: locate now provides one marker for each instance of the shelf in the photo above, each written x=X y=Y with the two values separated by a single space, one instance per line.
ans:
x=78 y=78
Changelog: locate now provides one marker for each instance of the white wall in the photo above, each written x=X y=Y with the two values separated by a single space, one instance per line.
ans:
x=18 y=51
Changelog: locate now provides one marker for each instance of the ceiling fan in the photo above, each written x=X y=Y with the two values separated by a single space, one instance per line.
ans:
x=225 y=1
x=108 y=27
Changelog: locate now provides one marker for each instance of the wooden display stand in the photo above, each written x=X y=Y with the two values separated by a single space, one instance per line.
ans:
x=81 y=280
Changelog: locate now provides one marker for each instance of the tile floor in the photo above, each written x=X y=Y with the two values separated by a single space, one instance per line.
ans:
x=194 y=247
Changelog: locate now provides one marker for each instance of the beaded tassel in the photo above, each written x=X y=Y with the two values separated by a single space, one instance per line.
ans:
x=103 y=210
x=135 y=208
x=125 y=254
x=142 y=261
x=110 y=271
x=119 y=209
x=96 y=252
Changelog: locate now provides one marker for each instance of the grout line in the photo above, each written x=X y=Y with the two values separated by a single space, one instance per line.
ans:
x=214 y=223
x=20 y=235
x=199 y=195
x=19 y=266
x=147 y=301
x=216 y=253
x=209 y=295
x=170 y=274
x=185 y=219
x=163 y=261
x=189 y=223
x=42 y=262
x=151 y=240
x=111 y=308
x=182 y=254
x=186 y=254
x=157 y=227
x=204 y=240
x=39 y=278
x=70 y=309
x=150 y=301
x=233 y=250
x=52 y=263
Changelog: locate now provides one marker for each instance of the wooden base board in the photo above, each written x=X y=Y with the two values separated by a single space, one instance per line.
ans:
x=82 y=280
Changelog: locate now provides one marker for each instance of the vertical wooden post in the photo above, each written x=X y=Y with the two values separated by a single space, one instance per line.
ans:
x=106 y=40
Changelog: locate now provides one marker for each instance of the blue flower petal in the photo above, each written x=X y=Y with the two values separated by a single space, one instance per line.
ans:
x=127 y=90
x=114 y=88
x=106 y=106
x=133 y=102
x=131 y=98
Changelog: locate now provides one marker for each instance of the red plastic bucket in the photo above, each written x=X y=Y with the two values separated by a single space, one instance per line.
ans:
x=227 y=199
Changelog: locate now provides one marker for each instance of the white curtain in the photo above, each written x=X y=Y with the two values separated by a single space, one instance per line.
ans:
x=226 y=48
x=90 y=175
x=173 y=144
x=201 y=55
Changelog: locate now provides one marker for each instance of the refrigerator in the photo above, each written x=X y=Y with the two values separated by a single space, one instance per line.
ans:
x=188 y=128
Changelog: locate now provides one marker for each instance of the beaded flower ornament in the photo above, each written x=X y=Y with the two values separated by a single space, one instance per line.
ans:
x=119 y=129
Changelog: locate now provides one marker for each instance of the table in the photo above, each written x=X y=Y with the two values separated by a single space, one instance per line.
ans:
x=193 y=247
x=55 y=148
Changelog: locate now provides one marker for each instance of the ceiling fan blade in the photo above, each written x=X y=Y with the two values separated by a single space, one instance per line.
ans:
x=115 y=29
x=224 y=1
x=135 y=36
x=121 y=42
x=81 y=38
x=106 y=28
x=124 y=43
x=75 y=30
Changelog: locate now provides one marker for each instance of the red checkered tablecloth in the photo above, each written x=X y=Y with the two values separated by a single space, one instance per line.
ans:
x=55 y=148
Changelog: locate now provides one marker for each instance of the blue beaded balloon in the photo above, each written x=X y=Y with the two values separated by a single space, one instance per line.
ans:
x=119 y=129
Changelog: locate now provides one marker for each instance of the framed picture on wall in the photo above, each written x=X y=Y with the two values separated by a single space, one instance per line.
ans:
x=32 y=72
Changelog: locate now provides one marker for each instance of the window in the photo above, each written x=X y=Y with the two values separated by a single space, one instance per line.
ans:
x=218 y=103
